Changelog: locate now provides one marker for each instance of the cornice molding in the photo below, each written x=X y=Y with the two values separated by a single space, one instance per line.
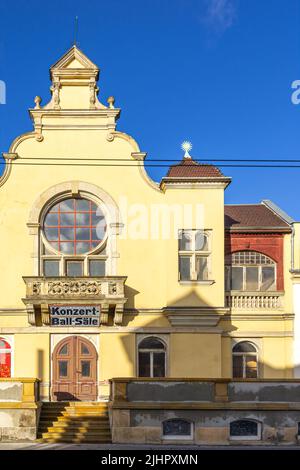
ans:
x=246 y=230
x=193 y=316
x=194 y=183
x=259 y=316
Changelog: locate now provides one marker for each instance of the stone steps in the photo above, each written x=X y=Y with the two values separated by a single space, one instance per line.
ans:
x=65 y=414
x=74 y=422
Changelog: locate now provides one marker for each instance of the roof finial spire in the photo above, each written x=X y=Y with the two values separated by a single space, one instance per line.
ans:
x=186 y=146
x=75 y=31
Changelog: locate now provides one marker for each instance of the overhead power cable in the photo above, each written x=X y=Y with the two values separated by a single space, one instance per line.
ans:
x=161 y=165
x=201 y=161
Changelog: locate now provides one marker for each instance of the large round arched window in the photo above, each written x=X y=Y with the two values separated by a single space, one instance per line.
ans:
x=75 y=226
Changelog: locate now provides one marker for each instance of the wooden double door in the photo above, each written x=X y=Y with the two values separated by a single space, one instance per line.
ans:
x=74 y=375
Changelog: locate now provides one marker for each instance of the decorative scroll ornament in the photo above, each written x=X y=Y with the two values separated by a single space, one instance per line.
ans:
x=39 y=137
x=74 y=288
x=110 y=137
x=36 y=288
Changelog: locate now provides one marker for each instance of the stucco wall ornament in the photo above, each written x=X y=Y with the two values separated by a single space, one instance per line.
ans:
x=36 y=288
x=110 y=137
x=112 y=288
x=39 y=137
x=92 y=95
x=55 y=94
x=74 y=288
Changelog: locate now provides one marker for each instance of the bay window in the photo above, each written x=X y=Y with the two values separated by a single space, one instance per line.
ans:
x=250 y=271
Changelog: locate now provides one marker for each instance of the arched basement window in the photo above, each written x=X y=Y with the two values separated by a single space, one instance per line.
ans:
x=152 y=357
x=177 y=429
x=5 y=359
x=250 y=271
x=73 y=239
x=244 y=361
x=245 y=429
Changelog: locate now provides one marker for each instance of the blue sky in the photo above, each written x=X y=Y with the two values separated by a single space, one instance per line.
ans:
x=215 y=72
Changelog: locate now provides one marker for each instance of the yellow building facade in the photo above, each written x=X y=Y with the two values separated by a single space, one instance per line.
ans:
x=106 y=273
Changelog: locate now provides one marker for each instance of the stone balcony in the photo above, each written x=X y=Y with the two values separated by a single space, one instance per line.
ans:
x=107 y=292
x=254 y=300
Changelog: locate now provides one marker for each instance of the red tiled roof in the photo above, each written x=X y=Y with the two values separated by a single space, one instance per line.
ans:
x=252 y=215
x=188 y=168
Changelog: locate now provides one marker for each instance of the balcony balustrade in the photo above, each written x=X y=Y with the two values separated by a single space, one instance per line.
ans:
x=108 y=292
x=254 y=300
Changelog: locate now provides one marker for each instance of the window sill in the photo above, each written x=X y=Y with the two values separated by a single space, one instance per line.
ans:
x=203 y=283
x=242 y=439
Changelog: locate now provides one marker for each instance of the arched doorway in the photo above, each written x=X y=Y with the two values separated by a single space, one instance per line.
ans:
x=74 y=362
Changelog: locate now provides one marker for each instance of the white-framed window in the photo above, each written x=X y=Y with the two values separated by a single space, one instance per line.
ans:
x=73 y=239
x=194 y=255
x=244 y=360
x=177 y=428
x=245 y=429
x=250 y=271
x=152 y=357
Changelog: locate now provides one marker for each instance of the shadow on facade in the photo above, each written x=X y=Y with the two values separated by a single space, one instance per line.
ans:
x=199 y=343
x=130 y=294
x=215 y=329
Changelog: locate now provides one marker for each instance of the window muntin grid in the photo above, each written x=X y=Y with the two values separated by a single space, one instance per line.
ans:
x=244 y=360
x=177 y=428
x=250 y=271
x=89 y=221
x=194 y=255
x=151 y=358
x=249 y=258
x=74 y=226
x=245 y=429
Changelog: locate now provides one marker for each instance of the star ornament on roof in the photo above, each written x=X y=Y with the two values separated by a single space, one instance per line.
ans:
x=187 y=147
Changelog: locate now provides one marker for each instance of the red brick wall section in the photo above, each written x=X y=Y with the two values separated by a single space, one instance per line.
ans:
x=269 y=244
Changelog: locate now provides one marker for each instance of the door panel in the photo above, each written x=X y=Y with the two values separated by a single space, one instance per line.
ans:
x=74 y=370
x=86 y=370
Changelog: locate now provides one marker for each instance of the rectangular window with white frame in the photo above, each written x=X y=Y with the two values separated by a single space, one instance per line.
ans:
x=91 y=265
x=194 y=255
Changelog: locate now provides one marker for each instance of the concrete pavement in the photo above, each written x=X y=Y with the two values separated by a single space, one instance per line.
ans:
x=98 y=447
